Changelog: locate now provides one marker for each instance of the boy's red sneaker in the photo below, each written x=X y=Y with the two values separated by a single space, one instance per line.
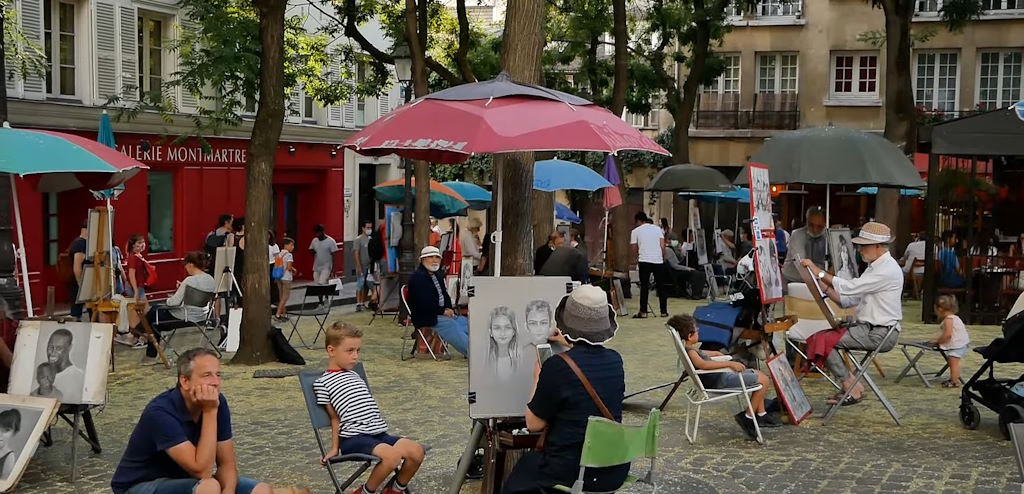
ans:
x=392 y=490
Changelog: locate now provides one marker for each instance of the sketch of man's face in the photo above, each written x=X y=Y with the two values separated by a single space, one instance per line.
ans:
x=538 y=322
x=502 y=330
x=58 y=347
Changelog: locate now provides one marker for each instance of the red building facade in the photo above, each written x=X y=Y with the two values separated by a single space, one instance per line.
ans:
x=177 y=201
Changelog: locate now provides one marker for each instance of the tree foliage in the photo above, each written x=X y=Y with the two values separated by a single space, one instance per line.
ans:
x=20 y=53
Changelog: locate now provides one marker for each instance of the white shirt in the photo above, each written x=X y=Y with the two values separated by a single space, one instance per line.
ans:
x=915 y=250
x=876 y=293
x=959 y=338
x=70 y=383
x=648 y=239
x=273 y=250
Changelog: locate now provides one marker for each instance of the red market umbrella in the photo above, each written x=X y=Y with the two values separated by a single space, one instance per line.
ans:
x=445 y=131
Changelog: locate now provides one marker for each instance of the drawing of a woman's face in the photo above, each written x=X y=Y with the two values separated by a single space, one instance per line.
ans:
x=503 y=331
x=539 y=321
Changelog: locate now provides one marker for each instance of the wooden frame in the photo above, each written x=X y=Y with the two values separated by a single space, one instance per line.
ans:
x=788 y=387
x=34 y=416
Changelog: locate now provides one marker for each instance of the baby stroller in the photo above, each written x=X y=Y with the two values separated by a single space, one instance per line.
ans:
x=1002 y=396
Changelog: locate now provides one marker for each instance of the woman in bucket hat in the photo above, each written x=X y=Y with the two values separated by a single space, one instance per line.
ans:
x=560 y=402
x=877 y=296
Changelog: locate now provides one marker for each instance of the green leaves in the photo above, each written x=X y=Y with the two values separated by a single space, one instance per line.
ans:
x=25 y=57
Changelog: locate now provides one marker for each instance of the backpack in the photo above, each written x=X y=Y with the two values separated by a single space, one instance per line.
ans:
x=376 y=247
x=213 y=240
x=277 y=272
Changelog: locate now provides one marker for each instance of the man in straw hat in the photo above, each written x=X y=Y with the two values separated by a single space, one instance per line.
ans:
x=561 y=404
x=876 y=296
x=430 y=306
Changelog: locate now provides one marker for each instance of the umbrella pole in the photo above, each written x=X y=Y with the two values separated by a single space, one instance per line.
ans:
x=21 y=249
x=496 y=235
x=828 y=205
x=110 y=246
x=604 y=243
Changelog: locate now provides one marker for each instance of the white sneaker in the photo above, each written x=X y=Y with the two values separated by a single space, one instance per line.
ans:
x=125 y=339
x=146 y=361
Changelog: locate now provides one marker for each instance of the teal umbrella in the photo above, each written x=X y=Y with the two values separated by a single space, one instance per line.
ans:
x=870 y=191
x=478 y=197
x=105 y=136
x=444 y=202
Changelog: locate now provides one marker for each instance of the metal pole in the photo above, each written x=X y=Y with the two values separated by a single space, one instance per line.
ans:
x=407 y=260
x=828 y=205
x=969 y=268
x=21 y=249
x=496 y=235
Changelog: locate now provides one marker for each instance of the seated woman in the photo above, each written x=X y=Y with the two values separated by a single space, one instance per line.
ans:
x=561 y=404
x=174 y=312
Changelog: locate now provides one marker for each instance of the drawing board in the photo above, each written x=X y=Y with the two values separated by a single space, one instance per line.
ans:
x=842 y=254
x=64 y=361
x=818 y=292
x=100 y=231
x=511 y=315
x=701 y=246
x=769 y=276
x=762 y=226
x=788 y=387
x=224 y=258
x=24 y=418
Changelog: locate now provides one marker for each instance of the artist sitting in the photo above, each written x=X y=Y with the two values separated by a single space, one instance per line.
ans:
x=174 y=313
x=560 y=402
x=877 y=297
x=431 y=306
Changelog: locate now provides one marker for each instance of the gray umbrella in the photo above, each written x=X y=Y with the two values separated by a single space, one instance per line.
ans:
x=501 y=87
x=835 y=156
x=689 y=178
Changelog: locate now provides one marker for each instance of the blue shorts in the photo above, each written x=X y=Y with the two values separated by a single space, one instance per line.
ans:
x=361 y=279
x=128 y=292
x=957 y=352
x=729 y=380
x=185 y=486
x=364 y=443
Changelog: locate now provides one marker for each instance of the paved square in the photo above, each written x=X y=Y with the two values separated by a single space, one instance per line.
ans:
x=861 y=451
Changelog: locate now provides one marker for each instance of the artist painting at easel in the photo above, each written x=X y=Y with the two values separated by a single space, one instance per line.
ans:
x=877 y=297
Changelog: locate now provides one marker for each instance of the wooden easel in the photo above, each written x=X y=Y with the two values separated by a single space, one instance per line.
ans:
x=102 y=265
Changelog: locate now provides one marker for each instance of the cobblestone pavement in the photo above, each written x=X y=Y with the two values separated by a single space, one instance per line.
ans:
x=861 y=451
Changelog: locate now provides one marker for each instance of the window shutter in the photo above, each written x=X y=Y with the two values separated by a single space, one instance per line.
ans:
x=129 y=35
x=294 y=106
x=187 y=102
x=32 y=28
x=334 y=111
x=383 y=103
x=12 y=78
x=348 y=110
x=105 y=26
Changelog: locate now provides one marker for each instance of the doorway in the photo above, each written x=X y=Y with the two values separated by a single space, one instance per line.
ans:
x=285 y=211
x=367 y=199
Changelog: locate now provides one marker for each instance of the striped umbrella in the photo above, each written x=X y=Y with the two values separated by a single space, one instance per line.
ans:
x=444 y=202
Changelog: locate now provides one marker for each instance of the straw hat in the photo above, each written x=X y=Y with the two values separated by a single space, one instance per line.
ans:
x=873 y=233
x=585 y=316
x=430 y=251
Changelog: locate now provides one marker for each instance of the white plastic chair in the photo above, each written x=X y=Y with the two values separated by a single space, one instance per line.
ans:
x=698 y=395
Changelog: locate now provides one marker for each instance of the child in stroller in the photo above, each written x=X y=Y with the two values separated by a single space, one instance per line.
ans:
x=999 y=395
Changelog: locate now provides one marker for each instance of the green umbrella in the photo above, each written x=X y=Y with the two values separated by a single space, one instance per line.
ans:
x=835 y=156
x=690 y=178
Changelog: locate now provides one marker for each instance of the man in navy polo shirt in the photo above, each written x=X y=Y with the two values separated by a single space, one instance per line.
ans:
x=182 y=436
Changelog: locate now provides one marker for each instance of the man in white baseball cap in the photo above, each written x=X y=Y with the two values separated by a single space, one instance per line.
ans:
x=876 y=294
x=431 y=306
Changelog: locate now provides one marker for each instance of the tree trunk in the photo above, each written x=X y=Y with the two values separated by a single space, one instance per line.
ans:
x=686 y=100
x=900 y=126
x=521 y=53
x=415 y=30
x=543 y=216
x=620 y=217
x=255 y=346
x=461 y=60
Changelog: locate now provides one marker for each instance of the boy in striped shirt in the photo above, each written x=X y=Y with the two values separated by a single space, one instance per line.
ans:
x=357 y=425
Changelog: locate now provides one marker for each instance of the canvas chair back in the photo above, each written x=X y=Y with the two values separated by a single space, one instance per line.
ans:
x=318 y=417
x=195 y=297
x=609 y=443
x=691 y=371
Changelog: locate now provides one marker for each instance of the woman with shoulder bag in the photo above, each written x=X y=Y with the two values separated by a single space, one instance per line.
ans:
x=139 y=274
x=587 y=380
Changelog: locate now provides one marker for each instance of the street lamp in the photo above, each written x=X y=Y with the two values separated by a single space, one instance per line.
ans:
x=407 y=260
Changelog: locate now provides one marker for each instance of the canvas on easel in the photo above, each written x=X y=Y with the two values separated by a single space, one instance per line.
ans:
x=224 y=269
x=28 y=417
x=762 y=226
x=100 y=231
x=67 y=361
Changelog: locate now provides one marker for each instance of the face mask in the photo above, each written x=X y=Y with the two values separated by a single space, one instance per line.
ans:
x=818 y=235
x=368 y=231
x=675 y=243
x=432 y=267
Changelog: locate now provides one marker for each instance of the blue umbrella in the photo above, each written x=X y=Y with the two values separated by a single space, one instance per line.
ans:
x=870 y=191
x=105 y=136
x=552 y=175
x=478 y=197
x=738 y=194
x=563 y=213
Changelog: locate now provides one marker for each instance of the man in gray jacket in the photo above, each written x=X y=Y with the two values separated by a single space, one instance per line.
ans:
x=808 y=242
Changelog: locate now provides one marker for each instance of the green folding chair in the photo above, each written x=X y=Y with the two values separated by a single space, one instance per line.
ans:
x=609 y=443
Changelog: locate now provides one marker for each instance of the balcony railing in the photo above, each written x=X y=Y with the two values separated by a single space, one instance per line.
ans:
x=933 y=7
x=770 y=8
x=771 y=111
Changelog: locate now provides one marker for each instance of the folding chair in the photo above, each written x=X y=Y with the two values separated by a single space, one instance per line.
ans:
x=319 y=309
x=419 y=335
x=195 y=299
x=922 y=349
x=607 y=444
x=319 y=420
x=386 y=288
x=698 y=395
x=861 y=373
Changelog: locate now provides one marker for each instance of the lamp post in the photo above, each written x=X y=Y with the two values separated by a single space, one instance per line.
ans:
x=407 y=260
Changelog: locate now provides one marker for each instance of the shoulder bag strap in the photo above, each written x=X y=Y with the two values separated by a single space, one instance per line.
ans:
x=586 y=385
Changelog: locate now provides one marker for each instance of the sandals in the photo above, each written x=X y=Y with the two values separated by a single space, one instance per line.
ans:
x=850 y=400
x=639 y=315
x=950 y=384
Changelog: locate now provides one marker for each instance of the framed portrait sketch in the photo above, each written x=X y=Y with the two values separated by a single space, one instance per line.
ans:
x=64 y=361
x=22 y=421
x=769 y=277
x=701 y=246
x=842 y=254
x=760 y=199
x=509 y=317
